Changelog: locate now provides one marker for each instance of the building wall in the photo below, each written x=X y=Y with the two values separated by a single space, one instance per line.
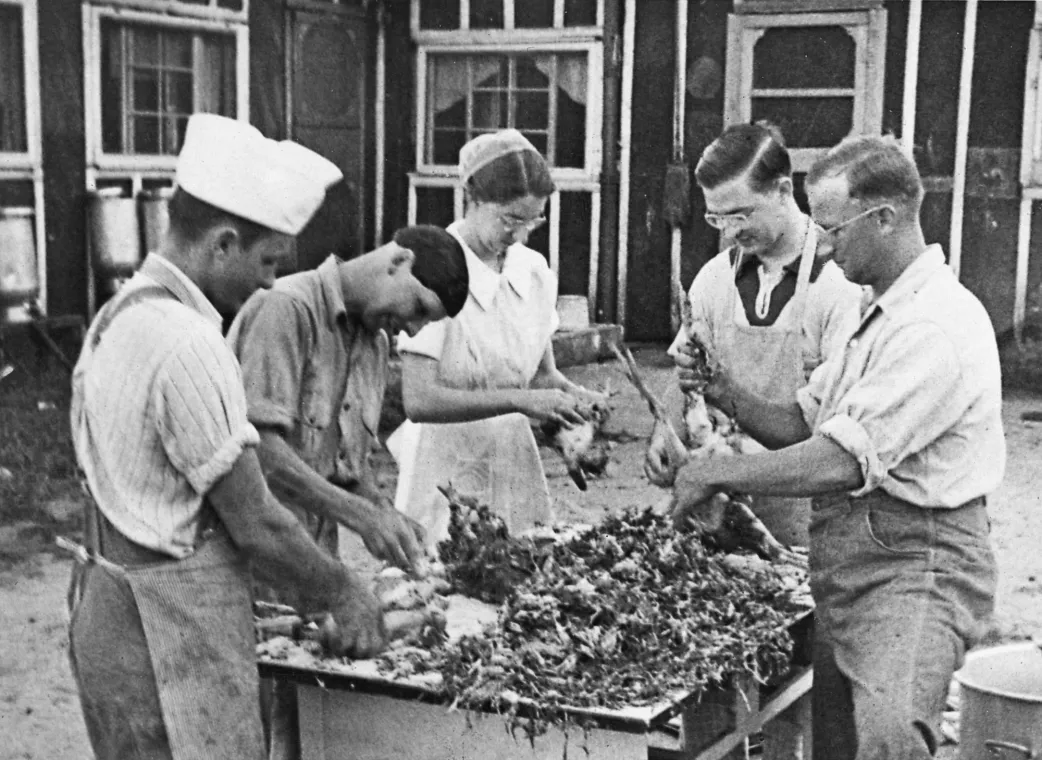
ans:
x=647 y=287
x=61 y=85
x=990 y=228
x=991 y=210
x=268 y=68
x=400 y=105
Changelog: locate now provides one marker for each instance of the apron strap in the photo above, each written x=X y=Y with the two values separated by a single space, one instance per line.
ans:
x=807 y=258
x=113 y=310
x=100 y=535
x=93 y=534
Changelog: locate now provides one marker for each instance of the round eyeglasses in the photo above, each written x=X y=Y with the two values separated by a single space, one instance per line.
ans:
x=723 y=221
x=514 y=224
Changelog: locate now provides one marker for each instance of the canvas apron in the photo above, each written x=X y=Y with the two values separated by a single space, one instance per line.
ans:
x=495 y=460
x=198 y=623
x=769 y=361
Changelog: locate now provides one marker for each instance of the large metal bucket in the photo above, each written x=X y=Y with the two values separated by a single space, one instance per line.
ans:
x=1001 y=714
x=19 y=278
x=115 y=234
x=155 y=216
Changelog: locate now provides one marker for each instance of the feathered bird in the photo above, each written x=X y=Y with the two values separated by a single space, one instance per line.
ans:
x=578 y=446
x=729 y=523
x=726 y=520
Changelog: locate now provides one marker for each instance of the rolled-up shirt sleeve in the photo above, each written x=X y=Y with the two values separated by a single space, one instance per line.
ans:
x=272 y=338
x=200 y=410
x=904 y=399
x=809 y=397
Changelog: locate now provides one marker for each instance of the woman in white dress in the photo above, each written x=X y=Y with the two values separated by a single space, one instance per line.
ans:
x=471 y=384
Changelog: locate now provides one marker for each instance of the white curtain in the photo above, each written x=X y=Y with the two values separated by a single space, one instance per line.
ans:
x=214 y=71
x=451 y=80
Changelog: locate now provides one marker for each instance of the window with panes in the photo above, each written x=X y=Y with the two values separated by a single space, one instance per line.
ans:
x=531 y=65
x=818 y=76
x=150 y=67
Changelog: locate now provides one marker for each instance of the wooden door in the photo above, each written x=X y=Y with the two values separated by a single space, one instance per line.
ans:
x=326 y=54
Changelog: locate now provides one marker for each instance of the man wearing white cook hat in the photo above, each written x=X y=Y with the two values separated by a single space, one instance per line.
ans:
x=161 y=627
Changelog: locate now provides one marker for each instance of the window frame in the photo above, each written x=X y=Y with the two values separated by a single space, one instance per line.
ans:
x=93 y=15
x=866 y=27
x=594 y=58
x=1031 y=135
x=509 y=33
x=551 y=40
x=28 y=165
x=180 y=8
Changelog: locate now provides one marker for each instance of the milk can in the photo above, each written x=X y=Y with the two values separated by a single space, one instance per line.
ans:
x=155 y=215
x=19 y=278
x=115 y=236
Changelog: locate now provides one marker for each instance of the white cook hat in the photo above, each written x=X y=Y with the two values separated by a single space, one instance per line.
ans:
x=231 y=165
x=486 y=148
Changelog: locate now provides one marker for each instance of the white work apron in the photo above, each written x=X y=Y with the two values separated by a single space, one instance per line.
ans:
x=198 y=621
x=495 y=460
x=769 y=361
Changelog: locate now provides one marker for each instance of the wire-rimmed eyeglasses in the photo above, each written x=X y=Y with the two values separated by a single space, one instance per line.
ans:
x=831 y=231
x=513 y=224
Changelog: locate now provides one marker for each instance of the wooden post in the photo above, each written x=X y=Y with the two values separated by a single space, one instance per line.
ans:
x=629 y=31
x=962 y=130
x=911 y=84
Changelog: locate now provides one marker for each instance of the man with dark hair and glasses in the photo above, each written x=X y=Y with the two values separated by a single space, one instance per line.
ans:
x=768 y=307
x=898 y=438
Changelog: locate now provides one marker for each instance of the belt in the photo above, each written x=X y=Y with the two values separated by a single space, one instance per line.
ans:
x=835 y=500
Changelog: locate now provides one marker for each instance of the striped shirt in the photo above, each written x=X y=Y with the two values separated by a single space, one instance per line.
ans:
x=158 y=411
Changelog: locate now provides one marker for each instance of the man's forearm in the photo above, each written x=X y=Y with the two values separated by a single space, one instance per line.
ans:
x=273 y=540
x=293 y=482
x=775 y=425
x=284 y=555
x=366 y=488
x=813 y=467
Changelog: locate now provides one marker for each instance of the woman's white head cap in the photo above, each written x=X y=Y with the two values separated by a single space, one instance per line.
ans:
x=484 y=149
x=231 y=165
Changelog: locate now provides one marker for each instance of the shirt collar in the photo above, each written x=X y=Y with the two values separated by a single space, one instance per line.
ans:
x=167 y=274
x=752 y=260
x=915 y=275
x=332 y=290
x=484 y=282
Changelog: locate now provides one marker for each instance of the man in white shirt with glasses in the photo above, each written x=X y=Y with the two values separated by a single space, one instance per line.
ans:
x=767 y=308
x=898 y=437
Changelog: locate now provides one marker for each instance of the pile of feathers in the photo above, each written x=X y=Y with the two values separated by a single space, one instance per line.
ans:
x=627 y=613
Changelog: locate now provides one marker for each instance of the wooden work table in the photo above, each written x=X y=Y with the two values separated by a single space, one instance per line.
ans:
x=350 y=710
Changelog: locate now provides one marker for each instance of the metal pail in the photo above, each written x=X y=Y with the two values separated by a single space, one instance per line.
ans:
x=19 y=278
x=1001 y=713
x=155 y=215
x=114 y=232
x=574 y=312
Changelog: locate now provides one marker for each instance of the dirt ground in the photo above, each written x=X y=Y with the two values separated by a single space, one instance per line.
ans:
x=39 y=711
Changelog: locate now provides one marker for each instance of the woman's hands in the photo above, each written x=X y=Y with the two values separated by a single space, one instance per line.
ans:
x=552 y=405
